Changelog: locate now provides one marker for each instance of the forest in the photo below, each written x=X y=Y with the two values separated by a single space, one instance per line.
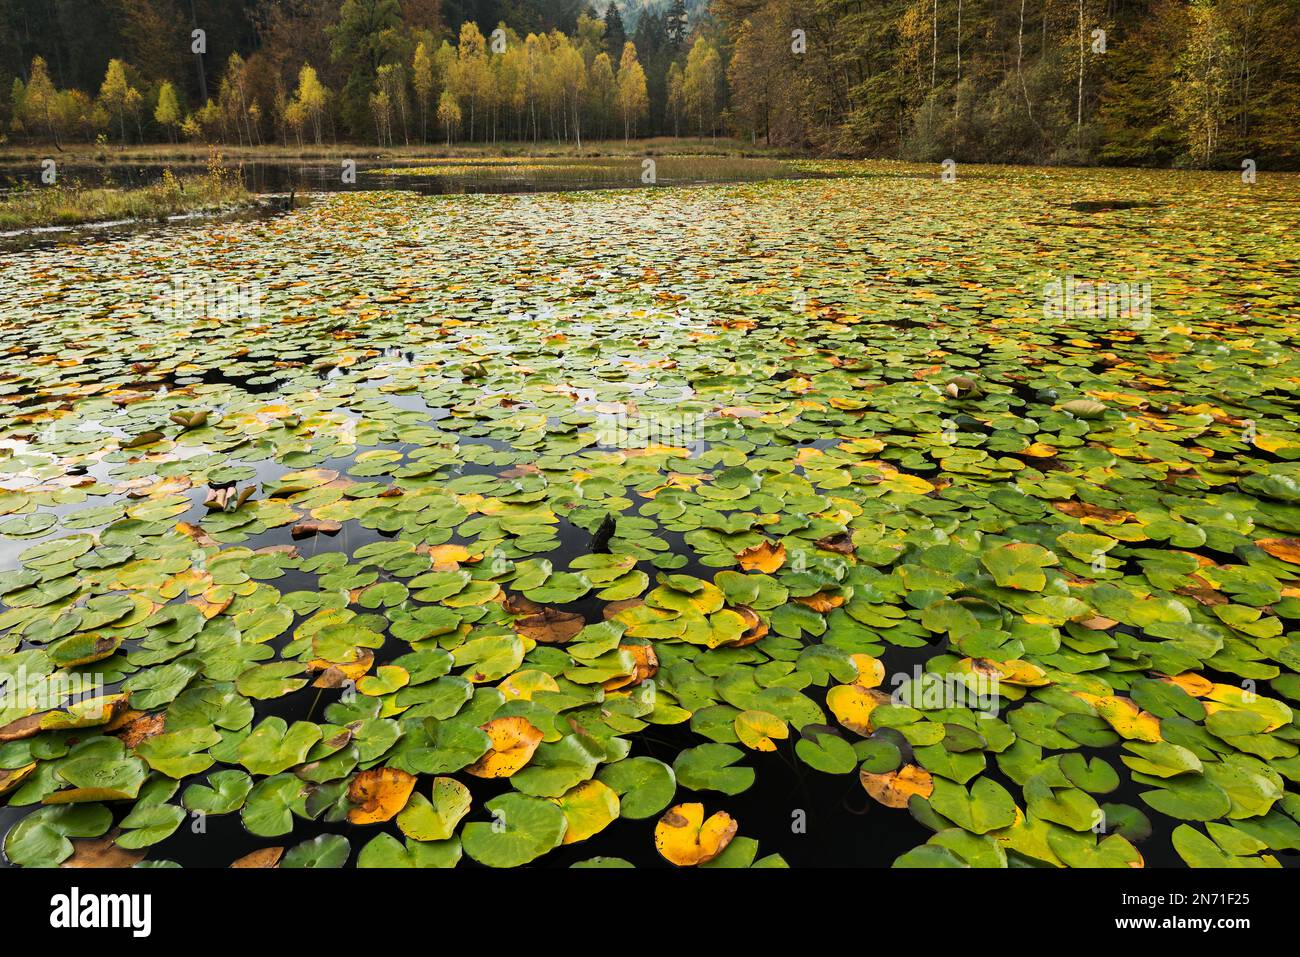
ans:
x=1201 y=83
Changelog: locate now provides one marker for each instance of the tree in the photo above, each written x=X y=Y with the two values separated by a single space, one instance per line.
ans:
x=152 y=36
x=207 y=122
x=134 y=107
x=615 y=34
x=422 y=78
x=572 y=75
x=1262 y=100
x=444 y=65
x=676 y=25
x=703 y=74
x=311 y=98
x=295 y=118
x=391 y=82
x=1020 y=57
x=471 y=75
x=381 y=109
x=424 y=16
x=192 y=129
x=531 y=78
x=654 y=54
x=1135 y=115
x=199 y=67
x=934 y=46
x=114 y=94
x=1201 y=81
x=750 y=76
x=168 y=112
x=676 y=104
x=233 y=98
x=80 y=115
x=41 y=107
x=17 y=95
x=633 y=103
x=1204 y=82
x=590 y=37
x=1082 y=52
x=448 y=113
x=368 y=35
x=602 y=92
x=294 y=32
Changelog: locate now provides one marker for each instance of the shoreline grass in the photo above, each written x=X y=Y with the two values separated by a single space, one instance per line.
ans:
x=72 y=204
x=198 y=153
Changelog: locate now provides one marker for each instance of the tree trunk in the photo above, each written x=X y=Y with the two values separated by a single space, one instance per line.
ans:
x=1020 y=56
x=198 y=60
x=956 y=100
x=934 y=47
x=1079 y=108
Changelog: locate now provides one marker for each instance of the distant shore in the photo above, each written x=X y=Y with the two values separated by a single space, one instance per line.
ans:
x=11 y=153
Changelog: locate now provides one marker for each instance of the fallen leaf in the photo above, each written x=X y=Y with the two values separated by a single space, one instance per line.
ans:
x=764 y=557
x=895 y=788
x=551 y=626
x=379 y=794
x=513 y=742
x=683 y=837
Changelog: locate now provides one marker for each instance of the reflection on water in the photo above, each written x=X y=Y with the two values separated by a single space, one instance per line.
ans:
x=430 y=177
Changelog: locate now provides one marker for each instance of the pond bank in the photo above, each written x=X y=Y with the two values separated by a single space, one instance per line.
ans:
x=69 y=203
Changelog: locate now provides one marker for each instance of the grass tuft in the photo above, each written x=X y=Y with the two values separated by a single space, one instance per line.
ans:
x=70 y=204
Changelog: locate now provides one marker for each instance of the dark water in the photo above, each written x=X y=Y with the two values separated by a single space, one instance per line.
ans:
x=258 y=177
x=327 y=176
x=279 y=181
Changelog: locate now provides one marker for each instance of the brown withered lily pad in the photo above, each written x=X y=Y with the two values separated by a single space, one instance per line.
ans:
x=551 y=626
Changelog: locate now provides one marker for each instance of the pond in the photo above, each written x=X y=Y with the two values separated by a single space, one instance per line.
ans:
x=839 y=520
